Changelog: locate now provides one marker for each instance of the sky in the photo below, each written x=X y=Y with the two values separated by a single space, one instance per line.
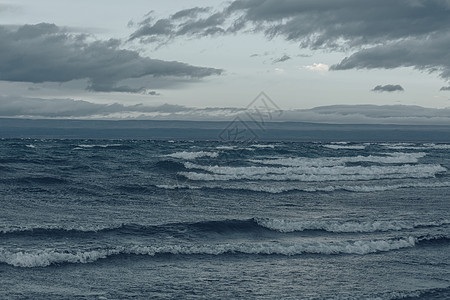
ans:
x=197 y=58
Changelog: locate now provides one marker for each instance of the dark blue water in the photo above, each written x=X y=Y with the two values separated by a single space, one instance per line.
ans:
x=123 y=219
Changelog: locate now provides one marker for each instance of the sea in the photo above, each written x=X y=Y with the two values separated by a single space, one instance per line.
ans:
x=163 y=219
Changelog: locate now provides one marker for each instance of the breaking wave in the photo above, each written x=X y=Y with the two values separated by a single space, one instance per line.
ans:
x=223 y=226
x=349 y=227
x=44 y=258
x=336 y=173
x=193 y=155
x=278 y=189
x=101 y=146
x=408 y=146
x=389 y=158
x=348 y=147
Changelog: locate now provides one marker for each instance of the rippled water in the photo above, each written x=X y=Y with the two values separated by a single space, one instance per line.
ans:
x=124 y=219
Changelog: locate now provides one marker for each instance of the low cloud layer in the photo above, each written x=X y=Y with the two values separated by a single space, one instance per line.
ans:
x=20 y=107
x=383 y=34
x=69 y=108
x=46 y=53
x=388 y=88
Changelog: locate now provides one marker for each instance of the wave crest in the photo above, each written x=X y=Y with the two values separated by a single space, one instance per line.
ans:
x=349 y=227
x=193 y=155
x=44 y=258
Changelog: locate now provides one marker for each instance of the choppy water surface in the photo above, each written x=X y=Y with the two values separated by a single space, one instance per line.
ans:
x=102 y=219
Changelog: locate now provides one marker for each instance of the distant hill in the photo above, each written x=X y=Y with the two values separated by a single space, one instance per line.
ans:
x=223 y=131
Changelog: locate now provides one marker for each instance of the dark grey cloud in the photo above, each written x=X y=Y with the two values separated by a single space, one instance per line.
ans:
x=429 y=54
x=281 y=59
x=47 y=53
x=388 y=88
x=383 y=33
x=320 y=23
x=190 y=12
x=445 y=88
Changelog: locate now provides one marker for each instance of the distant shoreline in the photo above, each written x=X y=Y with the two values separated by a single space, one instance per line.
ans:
x=220 y=131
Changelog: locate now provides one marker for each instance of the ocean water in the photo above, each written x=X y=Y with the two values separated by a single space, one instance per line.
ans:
x=128 y=219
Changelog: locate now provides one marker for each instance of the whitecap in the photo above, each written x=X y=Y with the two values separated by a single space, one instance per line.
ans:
x=348 y=147
x=282 y=225
x=193 y=155
x=388 y=158
x=336 y=173
x=43 y=258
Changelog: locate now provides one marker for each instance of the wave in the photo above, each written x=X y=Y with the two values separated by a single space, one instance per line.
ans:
x=347 y=147
x=429 y=239
x=438 y=146
x=226 y=147
x=341 y=227
x=229 y=226
x=388 y=158
x=85 y=146
x=55 y=230
x=279 y=189
x=205 y=226
x=44 y=258
x=406 y=146
x=193 y=155
x=178 y=186
x=337 y=173
x=262 y=146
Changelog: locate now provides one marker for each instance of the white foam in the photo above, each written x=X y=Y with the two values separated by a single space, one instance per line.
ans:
x=82 y=146
x=277 y=189
x=389 y=158
x=43 y=258
x=30 y=146
x=263 y=146
x=67 y=227
x=336 y=173
x=406 y=146
x=225 y=147
x=193 y=155
x=177 y=186
x=349 y=147
x=369 y=226
x=438 y=146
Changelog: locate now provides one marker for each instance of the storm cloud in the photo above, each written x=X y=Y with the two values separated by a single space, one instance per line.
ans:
x=388 y=88
x=383 y=34
x=47 y=53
